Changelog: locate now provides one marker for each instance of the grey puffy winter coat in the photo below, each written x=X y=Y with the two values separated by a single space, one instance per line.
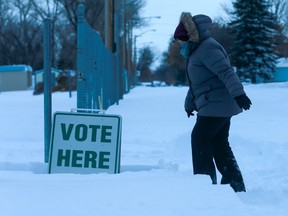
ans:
x=213 y=82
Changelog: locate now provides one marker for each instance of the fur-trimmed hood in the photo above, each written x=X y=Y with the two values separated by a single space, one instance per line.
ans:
x=197 y=26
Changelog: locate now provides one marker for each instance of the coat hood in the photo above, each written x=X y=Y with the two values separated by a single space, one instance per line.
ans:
x=197 y=26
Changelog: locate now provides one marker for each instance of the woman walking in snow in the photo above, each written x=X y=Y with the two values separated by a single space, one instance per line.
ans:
x=216 y=94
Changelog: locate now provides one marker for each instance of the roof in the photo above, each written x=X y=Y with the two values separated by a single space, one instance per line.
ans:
x=53 y=70
x=282 y=62
x=15 y=68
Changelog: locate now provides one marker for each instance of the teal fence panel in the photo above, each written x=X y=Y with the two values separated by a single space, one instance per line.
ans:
x=99 y=76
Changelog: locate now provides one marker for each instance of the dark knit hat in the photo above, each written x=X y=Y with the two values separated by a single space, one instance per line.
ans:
x=181 y=33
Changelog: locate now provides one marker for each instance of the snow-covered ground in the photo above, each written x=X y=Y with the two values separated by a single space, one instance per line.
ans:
x=156 y=170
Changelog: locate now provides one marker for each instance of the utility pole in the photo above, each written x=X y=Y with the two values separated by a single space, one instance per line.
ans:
x=109 y=24
x=124 y=38
x=116 y=48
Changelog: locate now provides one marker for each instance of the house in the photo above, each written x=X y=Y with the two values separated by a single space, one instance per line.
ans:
x=38 y=76
x=15 y=77
x=281 y=73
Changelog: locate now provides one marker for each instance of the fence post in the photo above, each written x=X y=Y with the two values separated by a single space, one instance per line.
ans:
x=117 y=51
x=47 y=88
x=82 y=93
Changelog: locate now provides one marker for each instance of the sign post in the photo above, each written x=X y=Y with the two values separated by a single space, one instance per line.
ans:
x=85 y=143
x=47 y=87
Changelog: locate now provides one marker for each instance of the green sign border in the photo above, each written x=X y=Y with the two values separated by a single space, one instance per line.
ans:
x=118 y=147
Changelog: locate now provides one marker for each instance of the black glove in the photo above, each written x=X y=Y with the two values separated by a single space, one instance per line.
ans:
x=243 y=101
x=189 y=113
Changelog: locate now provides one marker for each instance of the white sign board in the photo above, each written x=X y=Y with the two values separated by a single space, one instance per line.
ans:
x=85 y=143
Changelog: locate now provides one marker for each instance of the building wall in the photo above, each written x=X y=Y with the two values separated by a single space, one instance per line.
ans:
x=281 y=74
x=13 y=81
x=39 y=78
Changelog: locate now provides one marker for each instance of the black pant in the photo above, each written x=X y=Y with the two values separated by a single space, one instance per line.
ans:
x=209 y=144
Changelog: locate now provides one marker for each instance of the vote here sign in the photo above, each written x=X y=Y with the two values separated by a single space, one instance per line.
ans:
x=85 y=143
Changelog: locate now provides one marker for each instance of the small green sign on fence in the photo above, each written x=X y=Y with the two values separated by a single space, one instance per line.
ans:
x=85 y=143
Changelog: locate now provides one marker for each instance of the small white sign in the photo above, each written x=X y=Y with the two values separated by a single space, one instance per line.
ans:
x=85 y=143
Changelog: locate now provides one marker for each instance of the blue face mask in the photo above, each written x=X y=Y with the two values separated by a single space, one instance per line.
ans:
x=187 y=48
x=185 y=51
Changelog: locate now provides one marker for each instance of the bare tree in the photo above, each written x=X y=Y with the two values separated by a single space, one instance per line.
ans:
x=46 y=8
x=21 y=34
x=146 y=58
x=20 y=40
x=280 y=8
x=4 y=8
x=49 y=9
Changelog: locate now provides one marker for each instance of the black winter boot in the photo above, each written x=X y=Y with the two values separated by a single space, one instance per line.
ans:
x=237 y=183
x=238 y=186
x=225 y=180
